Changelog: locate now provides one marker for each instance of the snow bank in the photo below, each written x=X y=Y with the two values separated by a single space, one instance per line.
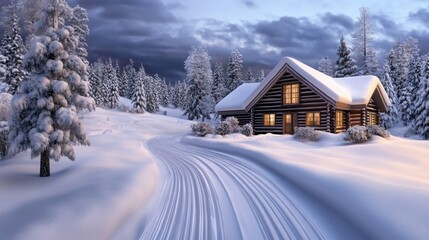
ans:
x=381 y=187
x=102 y=195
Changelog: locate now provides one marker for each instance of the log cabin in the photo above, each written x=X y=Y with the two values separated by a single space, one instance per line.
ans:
x=296 y=95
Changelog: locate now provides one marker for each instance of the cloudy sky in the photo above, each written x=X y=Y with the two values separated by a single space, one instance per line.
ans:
x=159 y=33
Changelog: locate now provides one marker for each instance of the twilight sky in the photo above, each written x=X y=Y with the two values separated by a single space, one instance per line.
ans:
x=159 y=33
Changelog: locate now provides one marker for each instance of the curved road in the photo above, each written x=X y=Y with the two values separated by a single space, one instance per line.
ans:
x=211 y=195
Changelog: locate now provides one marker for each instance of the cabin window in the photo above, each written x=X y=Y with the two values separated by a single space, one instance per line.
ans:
x=269 y=119
x=291 y=93
x=372 y=118
x=339 y=118
x=313 y=119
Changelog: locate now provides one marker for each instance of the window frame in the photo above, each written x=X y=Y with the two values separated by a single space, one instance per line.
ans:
x=295 y=96
x=339 y=114
x=312 y=122
x=270 y=121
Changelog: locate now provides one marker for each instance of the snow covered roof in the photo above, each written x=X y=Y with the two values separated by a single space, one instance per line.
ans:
x=237 y=99
x=348 y=91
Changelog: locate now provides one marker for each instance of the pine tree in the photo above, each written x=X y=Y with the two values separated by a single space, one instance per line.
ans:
x=123 y=84
x=405 y=102
x=389 y=118
x=79 y=20
x=112 y=96
x=261 y=76
x=413 y=80
x=345 y=64
x=179 y=97
x=13 y=49
x=325 y=66
x=399 y=58
x=370 y=66
x=421 y=124
x=45 y=113
x=362 y=37
x=131 y=76
x=152 y=105
x=218 y=89
x=164 y=94
x=139 y=97
x=96 y=77
x=249 y=76
x=199 y=78
x=234 y=72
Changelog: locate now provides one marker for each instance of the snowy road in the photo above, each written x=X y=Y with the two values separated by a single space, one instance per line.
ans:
x=212 y=195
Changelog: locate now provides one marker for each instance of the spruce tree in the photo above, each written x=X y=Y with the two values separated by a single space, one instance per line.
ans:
x=112 y=95
x=421 y=113
x=389 y=118
x=199 y=78
x=249 y=76
x=345 y=66
x=234 y=72
x=413 y=81
x=45 y=112
x=164 y=93
x=325 y=66
x=218 y=89
x=79 y=20
x=131 y=76
x=139 y=96
x=370 y=66
x=13 y=49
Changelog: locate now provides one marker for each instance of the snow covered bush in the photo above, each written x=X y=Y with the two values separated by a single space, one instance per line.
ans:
x=4 y=132
x=224 y=128
x=247 y=130
x=201 y=129
x=235 y=125
x=5 y=107
x=307 y=134
x=378 y=130
x=357 y=134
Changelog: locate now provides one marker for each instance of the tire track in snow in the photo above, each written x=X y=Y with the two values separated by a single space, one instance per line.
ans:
x=212 y=195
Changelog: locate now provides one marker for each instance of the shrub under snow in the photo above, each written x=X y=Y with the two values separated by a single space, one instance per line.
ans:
x=358 y=134
x=247 y=130
x=361 y=134
x=306 y=134
x=201 y=129
x=378 y=130
x=233 y=122
x=224 y=128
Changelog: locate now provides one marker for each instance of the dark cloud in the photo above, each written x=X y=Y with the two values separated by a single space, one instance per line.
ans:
x=148 y=32
x=422 y=16
x=249 y=3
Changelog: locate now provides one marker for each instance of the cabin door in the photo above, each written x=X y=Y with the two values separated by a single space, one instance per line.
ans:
x=289 y=123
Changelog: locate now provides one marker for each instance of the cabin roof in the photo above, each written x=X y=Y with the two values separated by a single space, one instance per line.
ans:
x=348 y=91
x=236 y=100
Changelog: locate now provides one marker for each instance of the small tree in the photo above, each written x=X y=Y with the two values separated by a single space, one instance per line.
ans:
x=325 y=66
x=139 y=97
x=44 y=115
x=345 y=66
x=234 y=72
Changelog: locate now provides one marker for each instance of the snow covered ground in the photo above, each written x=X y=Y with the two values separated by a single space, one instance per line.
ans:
x=144 y=176
x=380 y=188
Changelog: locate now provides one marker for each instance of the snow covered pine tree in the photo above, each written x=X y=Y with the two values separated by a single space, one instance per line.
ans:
x=44 y=115
x=345 y=66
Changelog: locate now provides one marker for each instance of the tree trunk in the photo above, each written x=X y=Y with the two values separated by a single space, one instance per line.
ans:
x=44 y=164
